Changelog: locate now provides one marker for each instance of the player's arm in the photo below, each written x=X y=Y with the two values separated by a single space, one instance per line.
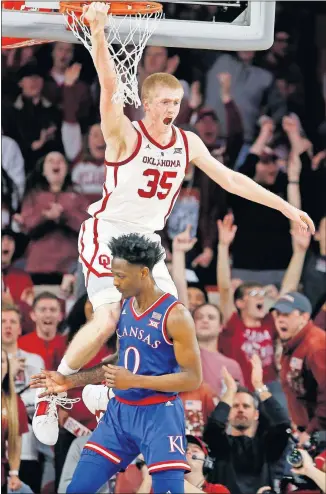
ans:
x=54 y=382
x=241 y=185
x=181 y=330
x=116 y=127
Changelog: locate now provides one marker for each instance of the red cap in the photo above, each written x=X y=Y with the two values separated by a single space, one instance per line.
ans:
x=320 y=460
x=215 y=488
x=198 y=441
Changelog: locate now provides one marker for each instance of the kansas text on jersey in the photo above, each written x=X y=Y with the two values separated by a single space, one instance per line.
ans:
x=145 y=348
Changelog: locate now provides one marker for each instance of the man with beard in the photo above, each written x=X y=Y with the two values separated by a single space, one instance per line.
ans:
x=257 y=438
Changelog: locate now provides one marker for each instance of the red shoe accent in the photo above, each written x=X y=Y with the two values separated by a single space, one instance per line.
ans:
x=42 y=408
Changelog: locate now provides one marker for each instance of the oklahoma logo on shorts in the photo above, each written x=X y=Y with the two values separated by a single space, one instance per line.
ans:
x=104 y=261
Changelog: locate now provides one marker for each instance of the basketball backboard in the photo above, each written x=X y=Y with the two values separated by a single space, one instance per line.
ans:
x=250 y=27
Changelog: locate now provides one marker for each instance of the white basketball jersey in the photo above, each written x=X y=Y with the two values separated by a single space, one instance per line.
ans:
x=141 y=190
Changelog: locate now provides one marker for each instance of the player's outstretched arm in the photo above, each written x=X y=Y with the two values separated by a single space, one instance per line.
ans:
x=115 y=125
x=241 y=185
x=54 y=382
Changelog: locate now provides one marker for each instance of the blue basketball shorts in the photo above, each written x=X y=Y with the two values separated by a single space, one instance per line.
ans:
x=157 y=431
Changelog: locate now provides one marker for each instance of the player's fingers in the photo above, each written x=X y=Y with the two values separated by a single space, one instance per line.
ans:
x=310 y=223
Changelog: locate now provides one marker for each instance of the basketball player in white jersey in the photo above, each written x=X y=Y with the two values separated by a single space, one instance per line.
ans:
x=145 y=166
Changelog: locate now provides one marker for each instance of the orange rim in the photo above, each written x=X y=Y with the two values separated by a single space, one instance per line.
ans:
x=19 y=5
x=116 y=7
x=11 y=43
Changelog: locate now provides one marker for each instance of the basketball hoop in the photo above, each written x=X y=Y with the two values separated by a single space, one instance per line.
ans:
x=141 y=19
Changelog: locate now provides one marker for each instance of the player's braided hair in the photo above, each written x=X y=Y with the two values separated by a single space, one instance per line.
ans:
x=136 y=249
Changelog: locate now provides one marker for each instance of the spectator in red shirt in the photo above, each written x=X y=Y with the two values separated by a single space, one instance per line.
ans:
x=45 y=341
x=303 y=363
x=13 y=425
x=52 y=213
x=208 y=328
x=248 y=330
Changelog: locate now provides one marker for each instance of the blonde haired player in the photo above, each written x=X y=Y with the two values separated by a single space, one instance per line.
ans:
x=145 y=166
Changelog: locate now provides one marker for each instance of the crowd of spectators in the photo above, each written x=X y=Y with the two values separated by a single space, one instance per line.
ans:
x=256 y=288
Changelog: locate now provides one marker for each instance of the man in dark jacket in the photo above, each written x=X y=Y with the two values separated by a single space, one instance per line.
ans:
x=246 y=455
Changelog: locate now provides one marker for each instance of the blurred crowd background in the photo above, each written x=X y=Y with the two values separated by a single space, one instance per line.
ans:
x=260 y=113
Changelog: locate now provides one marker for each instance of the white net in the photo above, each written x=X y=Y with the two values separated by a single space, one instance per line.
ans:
x=126 y=52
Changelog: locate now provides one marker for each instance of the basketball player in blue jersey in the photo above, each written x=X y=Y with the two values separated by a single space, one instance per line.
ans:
x=157 y=357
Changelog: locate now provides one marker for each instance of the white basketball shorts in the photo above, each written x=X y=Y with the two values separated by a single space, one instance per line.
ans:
x=95 y=257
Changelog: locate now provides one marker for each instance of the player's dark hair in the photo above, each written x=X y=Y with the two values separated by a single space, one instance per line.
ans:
x=136 y=249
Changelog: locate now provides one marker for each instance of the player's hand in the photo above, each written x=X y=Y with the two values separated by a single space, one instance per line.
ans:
x=118 y=377
x=257 y=372
x=226 y=230
x=300 y=218
x=183 y=241
x=204 y=259
x=14 y=483
x=96 y=14
x=52 y=381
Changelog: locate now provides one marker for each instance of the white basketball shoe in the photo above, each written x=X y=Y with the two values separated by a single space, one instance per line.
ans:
x=96 y=399
x=45 y=421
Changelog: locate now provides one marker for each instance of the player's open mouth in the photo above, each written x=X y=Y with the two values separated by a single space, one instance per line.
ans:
x=260 y=306
x=56 y=170
x=167 y=121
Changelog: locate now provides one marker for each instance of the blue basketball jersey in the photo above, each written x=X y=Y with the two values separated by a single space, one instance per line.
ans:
x=145 y=347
